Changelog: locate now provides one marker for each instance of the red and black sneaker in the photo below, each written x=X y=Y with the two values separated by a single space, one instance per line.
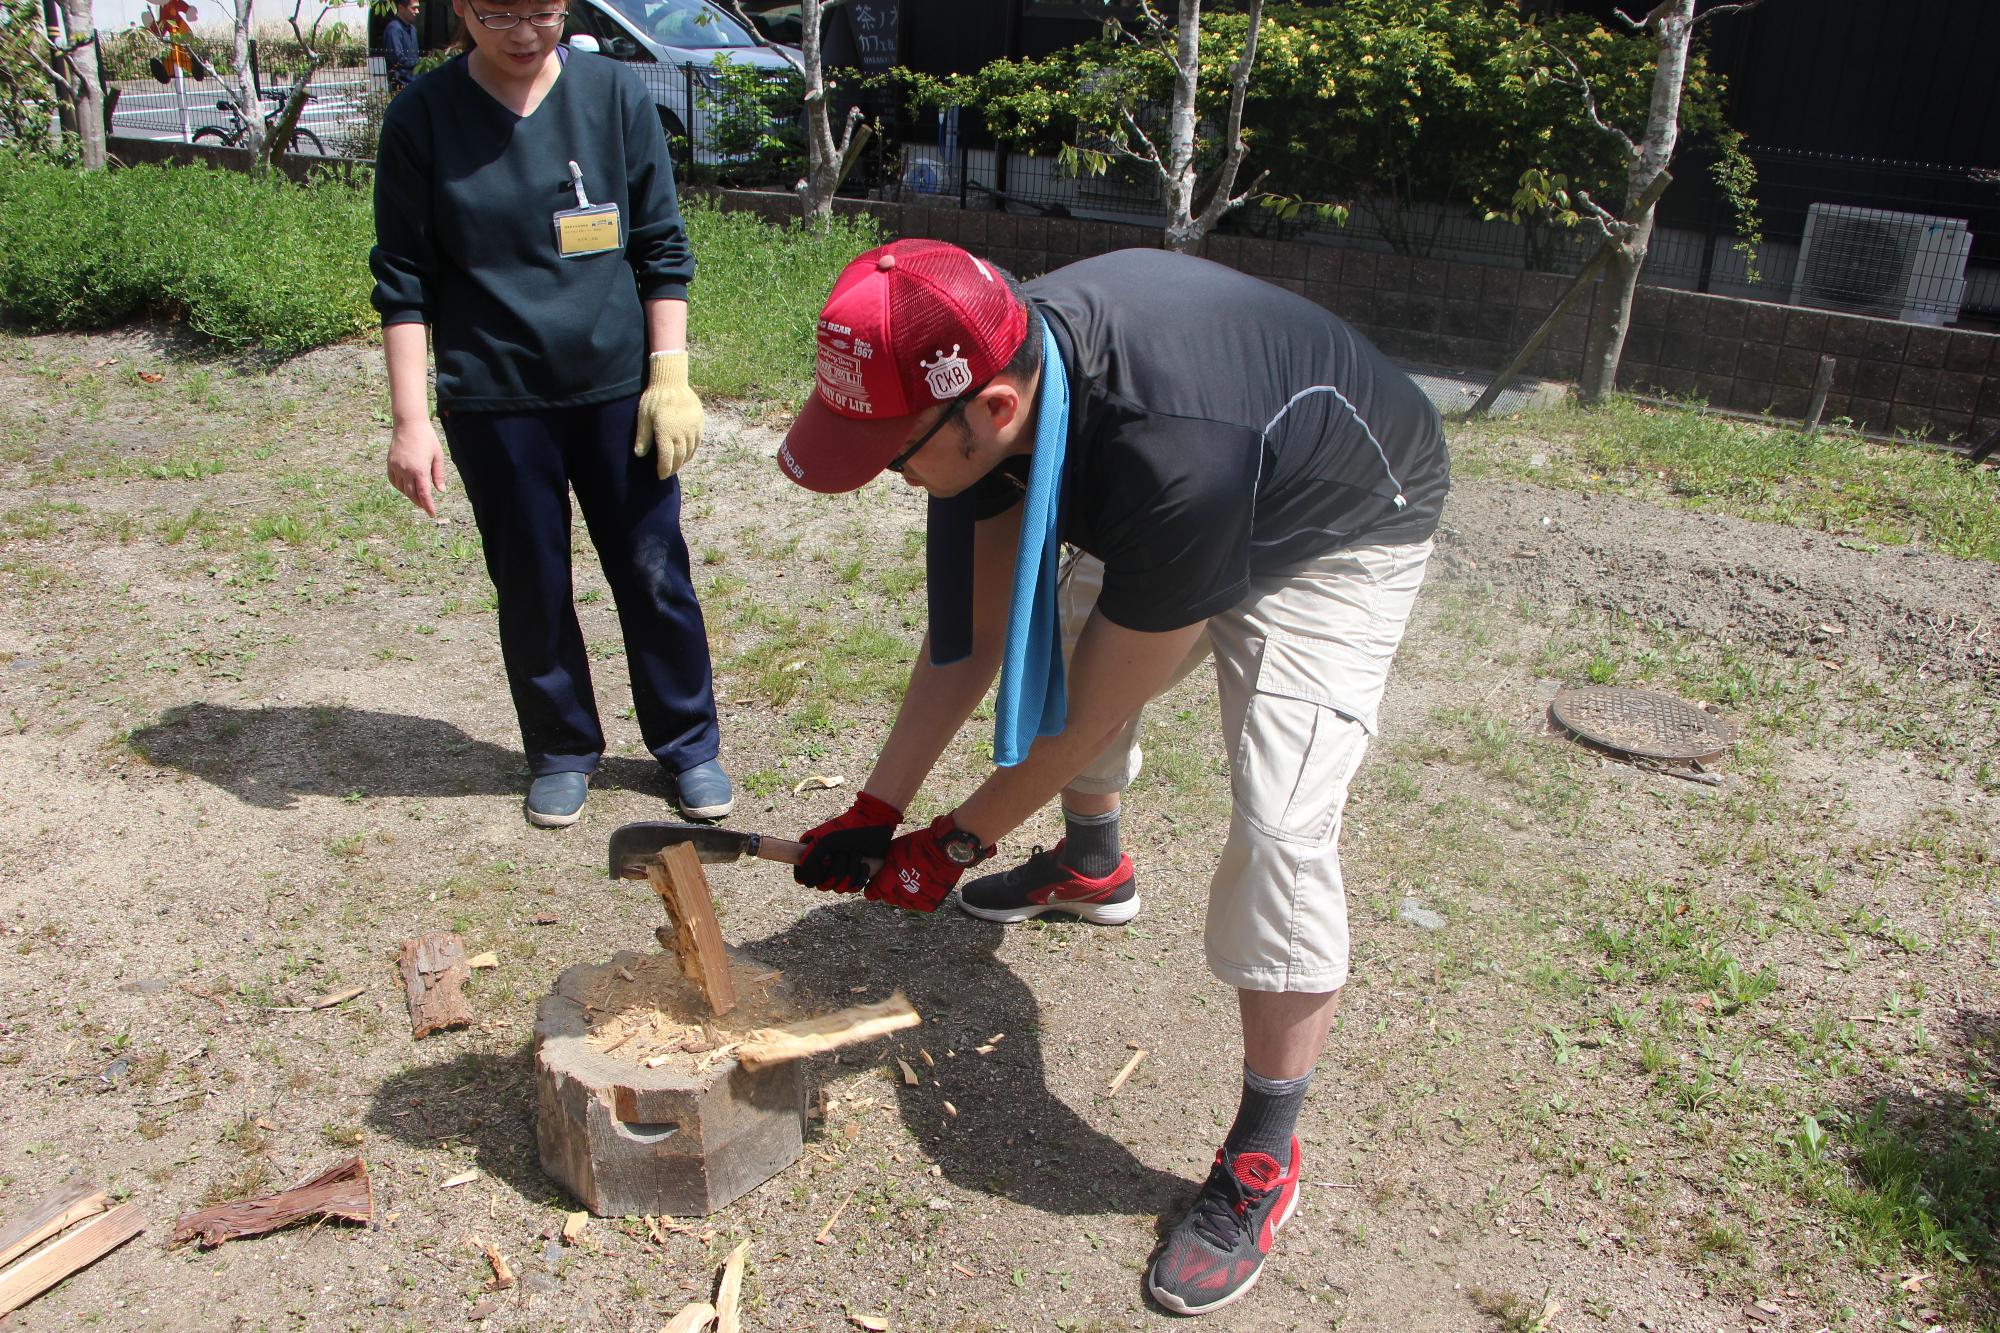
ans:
x=1042 y=883
x=1215 y=1253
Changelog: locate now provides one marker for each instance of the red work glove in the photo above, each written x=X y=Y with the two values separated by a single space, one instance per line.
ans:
x=918 y=872
x=837 y=850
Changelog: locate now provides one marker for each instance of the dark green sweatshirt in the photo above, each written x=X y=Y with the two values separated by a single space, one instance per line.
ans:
x=465 y=196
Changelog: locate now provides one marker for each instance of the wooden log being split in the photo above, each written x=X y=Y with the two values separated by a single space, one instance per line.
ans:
x=697 y=937
x=72 y=1203
x=845 y=1027
x=434 y=974
x=341 y=1192
x=59 y=1258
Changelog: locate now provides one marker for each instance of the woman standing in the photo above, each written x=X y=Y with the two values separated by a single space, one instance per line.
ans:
x=525 y=213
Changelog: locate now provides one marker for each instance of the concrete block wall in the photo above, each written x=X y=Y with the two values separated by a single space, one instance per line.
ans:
x=1748 y=356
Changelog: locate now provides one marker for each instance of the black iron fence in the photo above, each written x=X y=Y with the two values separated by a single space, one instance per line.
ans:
x=1900 y=240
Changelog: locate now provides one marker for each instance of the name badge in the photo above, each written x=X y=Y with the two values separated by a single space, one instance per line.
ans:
x=591 y=230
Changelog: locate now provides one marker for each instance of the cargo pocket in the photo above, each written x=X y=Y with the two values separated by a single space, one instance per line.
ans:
x=1299 y=748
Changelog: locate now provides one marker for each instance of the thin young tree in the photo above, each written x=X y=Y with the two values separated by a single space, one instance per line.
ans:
x=826 y=151
x=1193 y=206
x=1670 y=24
x=70 y=66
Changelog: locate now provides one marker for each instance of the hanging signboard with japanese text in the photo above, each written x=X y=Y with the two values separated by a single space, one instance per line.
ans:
x=874 y=24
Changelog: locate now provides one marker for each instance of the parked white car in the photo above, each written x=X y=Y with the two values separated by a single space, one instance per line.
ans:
x=666 y=41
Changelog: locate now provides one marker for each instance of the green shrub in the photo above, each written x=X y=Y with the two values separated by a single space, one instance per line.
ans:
x=245 y=262
x=268 y=264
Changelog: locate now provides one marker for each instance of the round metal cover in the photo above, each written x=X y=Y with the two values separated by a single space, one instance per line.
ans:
x=1641 y=722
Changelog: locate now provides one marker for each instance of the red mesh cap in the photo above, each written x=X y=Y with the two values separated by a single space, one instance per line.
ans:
x=908 y=325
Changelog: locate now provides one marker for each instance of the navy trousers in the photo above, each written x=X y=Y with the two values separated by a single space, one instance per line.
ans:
x=518 y=472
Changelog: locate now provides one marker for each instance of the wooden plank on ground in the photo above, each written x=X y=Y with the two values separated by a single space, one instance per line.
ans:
x=341 y=1192
x=66 y=1254
x=704 y=959
x=845 y=1027
x=72 y=1203
x=434 y=974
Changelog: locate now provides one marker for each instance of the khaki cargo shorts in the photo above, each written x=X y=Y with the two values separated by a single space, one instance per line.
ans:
x=1300 y=664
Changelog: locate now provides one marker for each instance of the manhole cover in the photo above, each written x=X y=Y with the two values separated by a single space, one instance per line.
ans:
x=1640 y=722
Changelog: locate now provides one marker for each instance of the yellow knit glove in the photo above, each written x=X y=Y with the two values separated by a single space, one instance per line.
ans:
x=669 y=413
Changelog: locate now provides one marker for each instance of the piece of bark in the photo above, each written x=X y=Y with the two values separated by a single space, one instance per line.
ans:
x=729 y=1292
x=434 y=974
x=72 y=1203
x=79 y=1249
x=342 y=1192
x=678 y=879
x=691 y=1318
x=503 y=1274
x=843 y=1027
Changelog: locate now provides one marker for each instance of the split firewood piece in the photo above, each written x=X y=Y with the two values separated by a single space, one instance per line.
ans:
x=729 y=1292
x=843 y=1027
x=72 y=1203
x=691 y=1318
x=79 y=1249
x=697 y=941
x=341 y=1193
x=910 y=1079
x=434 y=974
x=573 y=1226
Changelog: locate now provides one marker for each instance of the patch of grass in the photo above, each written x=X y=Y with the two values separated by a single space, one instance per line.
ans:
x=1830 y=482
x=761 y=287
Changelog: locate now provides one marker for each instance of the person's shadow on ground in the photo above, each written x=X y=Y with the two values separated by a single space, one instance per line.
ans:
x=1012 y=1136
x=269 y=757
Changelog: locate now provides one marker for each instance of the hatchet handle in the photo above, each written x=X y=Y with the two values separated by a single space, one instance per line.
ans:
x=777 y=849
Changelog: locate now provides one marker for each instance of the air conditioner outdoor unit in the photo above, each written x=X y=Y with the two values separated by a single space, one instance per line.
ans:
x=1894 y=265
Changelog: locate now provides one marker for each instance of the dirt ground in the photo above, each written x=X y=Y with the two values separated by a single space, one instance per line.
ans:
x=254 y=734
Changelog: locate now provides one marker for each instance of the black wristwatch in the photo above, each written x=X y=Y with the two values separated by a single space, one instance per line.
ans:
x=961 y=847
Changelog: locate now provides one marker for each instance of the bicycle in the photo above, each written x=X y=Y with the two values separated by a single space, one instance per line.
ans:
x=233 y=134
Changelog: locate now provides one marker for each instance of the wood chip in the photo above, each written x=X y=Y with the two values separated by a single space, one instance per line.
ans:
x=333 y=998
x=874 y=1323
x=625 y=974
x=818 y=782
x=573 y=1225
x=909 y=1075
x=462 y=1178
x=926 y=1057
x=691 y=1318
x=486 y=1308
x=1125 y=1073
x=729 y=1292
x=71 y=1204
x=341 y=1192
x=481 y=961
x=434 y=975
x=845 y=1027
x=544 y=919
x=503 y=1276
x=78 y=1249
x=984 y=1050
x=951 y=1110
x=963 y=1271
x=825 y=1235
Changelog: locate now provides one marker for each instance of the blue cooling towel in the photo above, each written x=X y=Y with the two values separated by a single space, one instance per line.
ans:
x=1033 y=700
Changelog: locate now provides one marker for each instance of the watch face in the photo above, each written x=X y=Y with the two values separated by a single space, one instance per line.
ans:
x=962 y=848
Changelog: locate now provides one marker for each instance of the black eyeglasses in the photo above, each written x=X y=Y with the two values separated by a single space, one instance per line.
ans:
x=895 y=464
x=547 y=18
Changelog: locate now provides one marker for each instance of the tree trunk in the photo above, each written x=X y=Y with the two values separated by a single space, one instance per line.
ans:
x=245 y=91
x=1672 y=25
x=1184 y=233
x=1611 y=316
x=86 y=89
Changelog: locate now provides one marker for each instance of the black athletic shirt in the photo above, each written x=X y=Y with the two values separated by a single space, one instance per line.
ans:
x=1221 y=427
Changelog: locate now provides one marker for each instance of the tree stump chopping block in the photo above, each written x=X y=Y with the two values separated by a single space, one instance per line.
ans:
x=630 y=1140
